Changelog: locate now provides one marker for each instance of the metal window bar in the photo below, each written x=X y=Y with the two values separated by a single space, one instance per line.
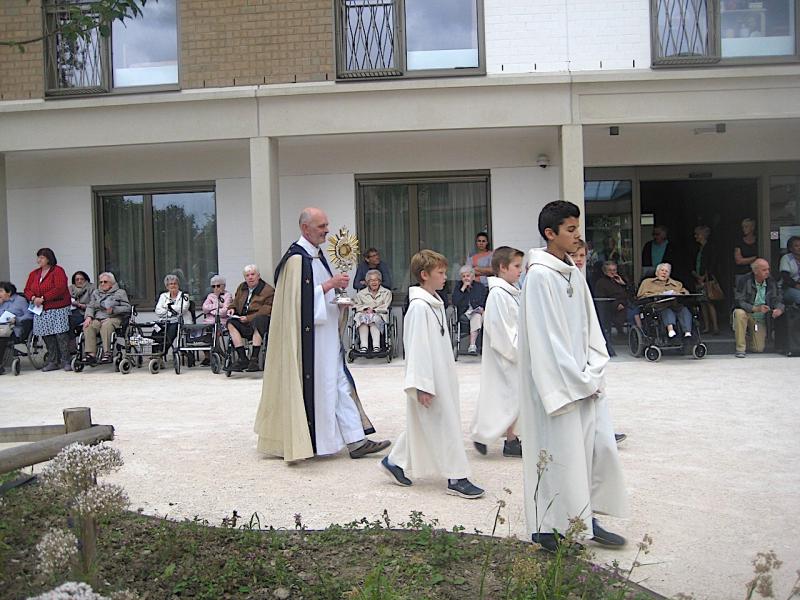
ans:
x=684 y=32
x=369 y=44
x=73 y=66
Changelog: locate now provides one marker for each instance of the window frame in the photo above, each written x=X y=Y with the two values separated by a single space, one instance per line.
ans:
x=107 y=88
x=715 y=41
x=400 y=70
x=147 y=191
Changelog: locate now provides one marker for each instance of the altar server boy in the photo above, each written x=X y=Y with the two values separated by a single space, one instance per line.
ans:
x=498 y=399
x=563 y=409
x=432 y=445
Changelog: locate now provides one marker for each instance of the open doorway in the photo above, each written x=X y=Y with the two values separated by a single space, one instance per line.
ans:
x=721 y=204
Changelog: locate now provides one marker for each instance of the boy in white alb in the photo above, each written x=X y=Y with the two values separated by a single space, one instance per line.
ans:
x=498 y=400
x=432 y=444
x=563 y=409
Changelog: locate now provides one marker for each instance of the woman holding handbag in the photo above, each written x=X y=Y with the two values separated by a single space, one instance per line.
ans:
x=705 y=282
x=51 y=303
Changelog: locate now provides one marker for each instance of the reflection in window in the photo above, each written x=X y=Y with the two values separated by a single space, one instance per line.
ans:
x=441 y=35
x=145 y=49
x=784 y=212
x=609 y=227
x=123 y=242
x=764 y=28
x=386 y=227
x=682 y=28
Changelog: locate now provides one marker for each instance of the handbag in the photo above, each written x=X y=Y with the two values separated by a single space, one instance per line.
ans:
x=714 y=290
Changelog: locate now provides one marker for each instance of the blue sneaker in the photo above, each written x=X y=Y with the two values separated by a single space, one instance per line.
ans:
x=395 y=472
x=464 y=489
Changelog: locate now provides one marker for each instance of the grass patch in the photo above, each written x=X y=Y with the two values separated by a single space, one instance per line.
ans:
x=363 y=560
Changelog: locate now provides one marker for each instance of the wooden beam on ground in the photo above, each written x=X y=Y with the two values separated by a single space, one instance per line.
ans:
x=29 y=433
x=42 y=451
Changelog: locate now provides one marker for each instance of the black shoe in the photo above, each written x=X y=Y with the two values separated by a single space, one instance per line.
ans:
x=89 y=359
x=601 y=536
x=465 y=489
x=550 y=542
x=369 y=447
x=620 y=437
x=512 y=448
x=252 y=366
x=240 y=365
x=395 y=472
x=480 y=447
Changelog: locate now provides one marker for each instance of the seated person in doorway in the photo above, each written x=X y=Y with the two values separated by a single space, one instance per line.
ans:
x=249 y=317
x=612 y=285
x=19 y=324
x=107 y=307
x=663 y=285
x=790 y=271
x=372 y=311
x=372 y=260
x=656 y=251
x=756 y=297
x=470 y=301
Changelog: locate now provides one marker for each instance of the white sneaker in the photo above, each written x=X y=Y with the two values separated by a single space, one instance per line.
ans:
x=473 y=349
x=671 y=333
x=687 y=334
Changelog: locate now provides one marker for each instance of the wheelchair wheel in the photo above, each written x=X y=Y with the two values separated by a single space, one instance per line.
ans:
x=154 y=366
x=216 y=363
x=37 y=353
x=699 y=350
x=635 y=341
x=77 y=365
x=652 y=353
x=176 y=361
x=125 y=366
x=262 y=357
x=16 y=366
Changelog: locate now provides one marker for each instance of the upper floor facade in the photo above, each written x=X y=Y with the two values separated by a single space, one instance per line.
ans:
x=189 y=45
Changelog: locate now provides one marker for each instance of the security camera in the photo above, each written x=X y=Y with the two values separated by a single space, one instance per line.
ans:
x=543 y=161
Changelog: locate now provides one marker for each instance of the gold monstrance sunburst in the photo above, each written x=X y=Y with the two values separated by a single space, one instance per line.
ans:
x=343 y=252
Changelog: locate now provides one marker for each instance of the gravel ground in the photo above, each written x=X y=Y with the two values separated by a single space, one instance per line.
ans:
x=711 y=459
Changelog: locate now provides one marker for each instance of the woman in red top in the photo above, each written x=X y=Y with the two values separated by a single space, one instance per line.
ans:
x=47 y=289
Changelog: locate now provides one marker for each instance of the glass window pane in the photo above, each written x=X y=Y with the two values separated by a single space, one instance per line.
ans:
x=123 y=242
x=784 y=211
x=442 y=34
x=368 y=30
x=682 y=28
x=609 y=227
x=185 y=240
x=145 y=49
x=764 y=28
x=450 y=214
x=386 y=227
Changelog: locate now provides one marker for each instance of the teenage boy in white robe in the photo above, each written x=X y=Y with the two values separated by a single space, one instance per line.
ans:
x=432 y=444
x=563 y=409
x=498 y=399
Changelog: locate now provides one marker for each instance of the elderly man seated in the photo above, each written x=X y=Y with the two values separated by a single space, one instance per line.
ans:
x=620 y=310
x=107 y=306
x=756 y=297
x=663 y=285
x=249 y=317
x=372 y=311
x=470 y=301
x=372 y=260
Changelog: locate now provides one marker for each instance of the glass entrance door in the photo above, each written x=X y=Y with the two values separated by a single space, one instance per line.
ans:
x=609 y=227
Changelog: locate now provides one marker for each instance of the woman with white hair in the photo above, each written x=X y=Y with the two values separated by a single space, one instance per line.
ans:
x=372 y=310
x=217 y=302
x=172 y=305
x=470 y=301
x=663 y=285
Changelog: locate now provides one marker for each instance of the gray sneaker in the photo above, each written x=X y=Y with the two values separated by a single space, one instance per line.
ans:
x=740 y=355
x=465 y=489
x=512 y=448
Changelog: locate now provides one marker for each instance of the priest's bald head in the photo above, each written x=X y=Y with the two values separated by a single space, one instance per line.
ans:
x=314 y=225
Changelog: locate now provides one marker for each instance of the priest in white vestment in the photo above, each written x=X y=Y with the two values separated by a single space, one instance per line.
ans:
x=497 y=408
x=563 y=409
x=309 y=404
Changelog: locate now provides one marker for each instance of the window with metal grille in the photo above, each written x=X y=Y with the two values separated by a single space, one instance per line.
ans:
x=724 y=31
x=397 y=38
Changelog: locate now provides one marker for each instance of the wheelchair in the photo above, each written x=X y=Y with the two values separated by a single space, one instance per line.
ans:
x=388 y=339
x=79 y=362
x=229 y=354
x=651 y=339
x=459 y=332
x=27 y=345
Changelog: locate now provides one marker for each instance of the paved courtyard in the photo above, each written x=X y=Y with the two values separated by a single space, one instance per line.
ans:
x=711 y=459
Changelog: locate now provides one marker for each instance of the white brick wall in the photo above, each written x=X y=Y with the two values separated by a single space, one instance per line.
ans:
x=525 y=36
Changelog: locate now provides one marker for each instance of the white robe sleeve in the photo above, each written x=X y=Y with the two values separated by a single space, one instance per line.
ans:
x=320 y=306
x=501 y=325
x=419 y=357
x=558 y=378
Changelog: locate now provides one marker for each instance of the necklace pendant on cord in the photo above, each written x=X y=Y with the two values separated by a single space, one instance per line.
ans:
x=569 y=290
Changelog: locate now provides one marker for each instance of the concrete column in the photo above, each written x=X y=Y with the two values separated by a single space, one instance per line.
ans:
x=265 y=203
x=5 y=265
x=571 y=141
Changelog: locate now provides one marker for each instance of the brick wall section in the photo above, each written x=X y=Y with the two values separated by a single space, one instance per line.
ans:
x=21 y=74
x=247 y=42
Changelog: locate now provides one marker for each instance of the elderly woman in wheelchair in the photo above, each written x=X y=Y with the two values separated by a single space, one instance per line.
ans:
x=666 y=321
x=372 y=311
